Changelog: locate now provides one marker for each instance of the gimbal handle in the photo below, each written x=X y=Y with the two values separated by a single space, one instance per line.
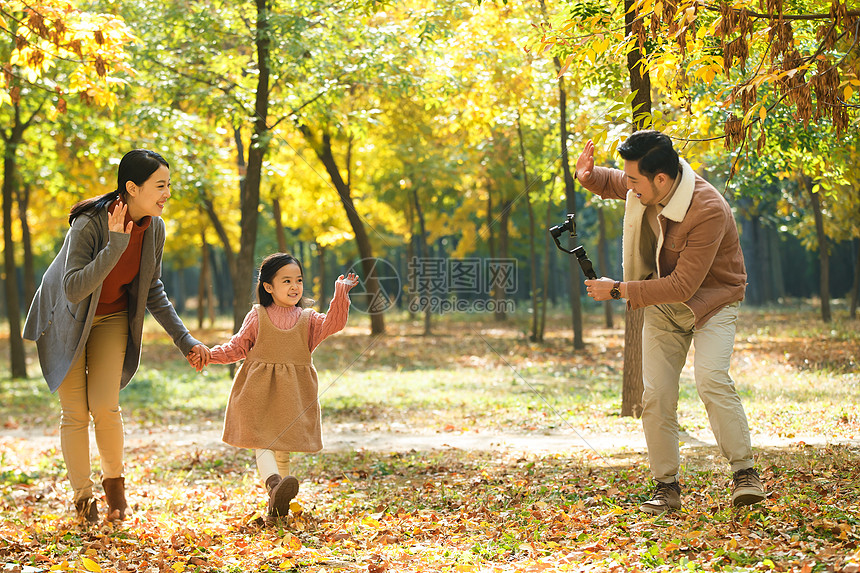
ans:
x=581 y=258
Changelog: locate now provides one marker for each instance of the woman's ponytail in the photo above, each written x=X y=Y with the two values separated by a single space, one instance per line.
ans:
x=136 y=166
x=93 y=204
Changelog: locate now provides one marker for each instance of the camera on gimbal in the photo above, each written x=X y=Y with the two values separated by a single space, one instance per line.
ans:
x=569 y=225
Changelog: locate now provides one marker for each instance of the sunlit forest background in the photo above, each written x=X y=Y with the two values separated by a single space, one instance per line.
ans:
x=428 y=146
x=350 y=131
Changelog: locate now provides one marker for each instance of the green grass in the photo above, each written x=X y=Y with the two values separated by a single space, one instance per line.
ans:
x=482 y=375
x=198 y=508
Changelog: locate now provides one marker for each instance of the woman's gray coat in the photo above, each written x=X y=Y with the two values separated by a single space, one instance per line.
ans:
x=63 y=309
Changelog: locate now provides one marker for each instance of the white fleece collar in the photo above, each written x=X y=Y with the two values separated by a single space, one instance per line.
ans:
x=680 y=201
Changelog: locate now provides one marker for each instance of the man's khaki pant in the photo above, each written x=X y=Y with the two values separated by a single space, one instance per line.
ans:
x=92 y=388
x=666 y=336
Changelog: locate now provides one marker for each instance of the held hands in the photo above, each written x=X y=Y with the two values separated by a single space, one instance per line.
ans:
x=199 y=357
x=351 y=281
x=116 y=219
x=585 y=162
x=598 y=289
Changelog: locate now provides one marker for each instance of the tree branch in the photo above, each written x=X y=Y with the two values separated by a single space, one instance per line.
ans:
x=715 y=8
x=227 y=90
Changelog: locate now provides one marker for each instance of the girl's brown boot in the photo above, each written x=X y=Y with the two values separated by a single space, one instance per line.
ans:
x=281 y=493
x=115 y=496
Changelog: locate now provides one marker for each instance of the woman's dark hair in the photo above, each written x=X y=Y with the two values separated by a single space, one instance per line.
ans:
x=654 y=152
x=268 y=269
x=136 y=166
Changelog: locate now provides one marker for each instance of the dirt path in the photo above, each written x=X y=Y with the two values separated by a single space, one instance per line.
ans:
x=351 y=437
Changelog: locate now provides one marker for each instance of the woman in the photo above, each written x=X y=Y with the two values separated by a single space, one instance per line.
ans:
x=87 y=319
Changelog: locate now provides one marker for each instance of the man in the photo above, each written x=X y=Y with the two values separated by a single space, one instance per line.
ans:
x=683 y=263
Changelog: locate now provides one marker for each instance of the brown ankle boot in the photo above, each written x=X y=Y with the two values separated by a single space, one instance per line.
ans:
x=115 y=496
x=87 y=510
x=272 y=481
x=281 y=493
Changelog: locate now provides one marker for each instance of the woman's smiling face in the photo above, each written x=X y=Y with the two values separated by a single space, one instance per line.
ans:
x=149 y=199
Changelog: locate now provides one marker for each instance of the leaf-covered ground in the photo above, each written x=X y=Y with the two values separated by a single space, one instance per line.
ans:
x=199 y=507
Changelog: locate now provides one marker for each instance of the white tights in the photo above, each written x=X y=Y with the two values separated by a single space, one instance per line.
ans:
x=270 y=462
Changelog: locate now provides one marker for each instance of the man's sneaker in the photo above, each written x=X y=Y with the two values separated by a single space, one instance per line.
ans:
x=747 y=488
x=666 y=496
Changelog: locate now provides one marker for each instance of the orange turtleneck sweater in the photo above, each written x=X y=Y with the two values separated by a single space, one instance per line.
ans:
x=114 y=295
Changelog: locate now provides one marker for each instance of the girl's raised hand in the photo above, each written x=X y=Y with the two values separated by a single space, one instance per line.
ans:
x=116 y=219
x=351 y=280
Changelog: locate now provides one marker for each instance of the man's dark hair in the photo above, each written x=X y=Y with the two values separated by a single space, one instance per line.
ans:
x=654 y=152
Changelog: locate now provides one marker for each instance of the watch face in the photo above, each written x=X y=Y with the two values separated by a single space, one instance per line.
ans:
x=615 y=293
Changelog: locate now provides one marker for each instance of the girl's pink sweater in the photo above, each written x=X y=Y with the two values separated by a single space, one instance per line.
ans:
x=321 y=326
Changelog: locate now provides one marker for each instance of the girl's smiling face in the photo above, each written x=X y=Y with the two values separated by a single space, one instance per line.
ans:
x=286 y=287
x=149 y=199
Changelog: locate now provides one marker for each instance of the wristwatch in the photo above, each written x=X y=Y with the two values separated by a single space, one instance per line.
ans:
x=615 y=292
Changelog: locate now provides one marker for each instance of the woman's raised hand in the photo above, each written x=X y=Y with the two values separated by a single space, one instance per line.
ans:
x=116 y=219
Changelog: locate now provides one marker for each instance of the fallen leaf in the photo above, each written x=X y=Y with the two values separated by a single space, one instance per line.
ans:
x=91 y=565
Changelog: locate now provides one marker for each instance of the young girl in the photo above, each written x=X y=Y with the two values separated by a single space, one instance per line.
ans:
x=273 y=406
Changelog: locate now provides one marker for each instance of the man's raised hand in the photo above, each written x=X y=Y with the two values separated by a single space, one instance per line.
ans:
x=585 y=162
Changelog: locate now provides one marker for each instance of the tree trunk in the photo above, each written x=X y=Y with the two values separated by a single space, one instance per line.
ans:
x=23 y=199
x=777 y=276
x=325 y=154
x=491 y=235
x=570 y=201
x=640 y=87
x=229 y=254
x=547 y=257
x=640 y=83
x=855 y=288
x=823 y=247
x=762 y=239
x=603 y=258
x=323 y=277
x=18 y=363
x=422 y=252
x=536 y=291
x=633 y=386
x=751 y=245
x=250 y=201
x=241 y=267
x=410 y=256
x=279 y=225
x=204 y=290
x=500 y=278
x=570 y=195
x=537 y=333
x=178 y=290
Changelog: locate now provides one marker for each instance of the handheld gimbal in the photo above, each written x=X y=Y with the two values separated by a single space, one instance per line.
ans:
x=582 y=258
